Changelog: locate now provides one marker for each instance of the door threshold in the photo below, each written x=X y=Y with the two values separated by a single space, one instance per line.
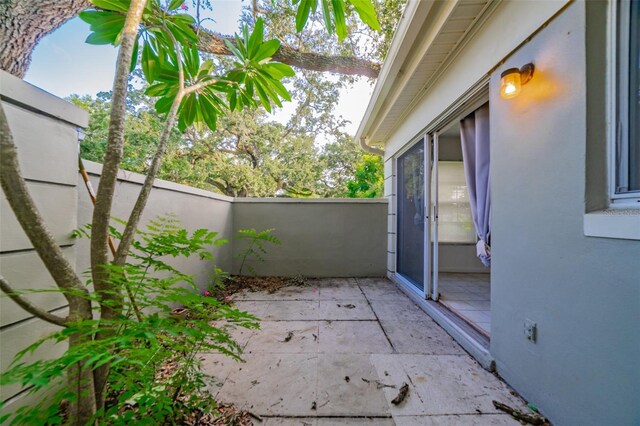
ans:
x=475 y=343
x=473 y=325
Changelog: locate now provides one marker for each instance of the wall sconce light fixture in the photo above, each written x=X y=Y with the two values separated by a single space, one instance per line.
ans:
x=511 y=80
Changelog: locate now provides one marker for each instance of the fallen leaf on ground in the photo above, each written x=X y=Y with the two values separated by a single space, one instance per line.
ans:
x=404 y=390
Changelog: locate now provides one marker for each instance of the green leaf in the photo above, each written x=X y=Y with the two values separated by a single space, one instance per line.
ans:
x=367 y=13
x=187 y=112
x=280 y=89
x=164 y=104
x=240 y=43
x=184 y=19
x=256 y=39
x=209 y=113
x=101 y=38
x=233 y=49
x=149 y=63
x=175 y=4
x=267 y=50
x=134 y=54
x=264 y=99
x=279 y=70
x=266 y=85
x=233 y=100
x=326 y=16
x=339 y=17
x=106 y=26
x=118 y=5
x=158 y=89
x=304 y=10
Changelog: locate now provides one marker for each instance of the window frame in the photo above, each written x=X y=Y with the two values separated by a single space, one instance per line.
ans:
x=618 y=102
x=620 y=218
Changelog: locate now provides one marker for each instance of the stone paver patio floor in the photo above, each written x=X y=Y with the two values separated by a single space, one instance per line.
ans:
x=352 y=343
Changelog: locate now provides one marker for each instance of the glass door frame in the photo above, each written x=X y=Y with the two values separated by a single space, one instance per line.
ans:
x=475 y=97
x=425 y=291
x=430 y=251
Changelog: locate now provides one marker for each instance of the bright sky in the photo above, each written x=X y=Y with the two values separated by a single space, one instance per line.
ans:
x=63 y=64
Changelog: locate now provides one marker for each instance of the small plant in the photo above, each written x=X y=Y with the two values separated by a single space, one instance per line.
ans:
x=154 y=376
x=256 y=246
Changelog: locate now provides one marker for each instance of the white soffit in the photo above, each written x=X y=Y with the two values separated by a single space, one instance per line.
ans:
x=428 y=34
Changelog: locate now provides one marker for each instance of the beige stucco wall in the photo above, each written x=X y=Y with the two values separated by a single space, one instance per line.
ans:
x=319 y=237
x=194 y=209
x=44 y=129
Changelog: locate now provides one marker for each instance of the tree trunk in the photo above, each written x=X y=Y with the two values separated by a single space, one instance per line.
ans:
x=80 y=377
x=110 y=296
x=24 y=23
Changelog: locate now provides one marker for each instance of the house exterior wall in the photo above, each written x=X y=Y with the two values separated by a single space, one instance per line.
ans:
x=502 y=32
x=320 y=237
x=583 y=292
x=547 y=169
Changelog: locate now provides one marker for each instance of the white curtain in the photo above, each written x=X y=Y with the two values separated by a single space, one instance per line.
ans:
x=474 y=133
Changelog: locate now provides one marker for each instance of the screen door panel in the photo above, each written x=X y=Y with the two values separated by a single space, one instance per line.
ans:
x=411 y=215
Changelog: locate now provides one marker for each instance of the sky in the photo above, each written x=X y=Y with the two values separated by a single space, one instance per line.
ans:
x=63 y=64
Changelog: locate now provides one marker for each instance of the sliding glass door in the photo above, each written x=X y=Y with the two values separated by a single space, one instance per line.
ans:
x=412 y=215
x=417 y=216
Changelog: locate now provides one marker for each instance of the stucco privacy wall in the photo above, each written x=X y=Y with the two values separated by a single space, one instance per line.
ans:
x=193 y=208
x=320 y=237
x=44 y=128
x=583 y=292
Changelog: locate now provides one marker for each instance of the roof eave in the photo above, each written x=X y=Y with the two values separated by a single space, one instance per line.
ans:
x=403 y=38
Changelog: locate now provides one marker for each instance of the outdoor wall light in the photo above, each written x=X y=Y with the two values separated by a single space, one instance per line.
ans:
x=511 y=80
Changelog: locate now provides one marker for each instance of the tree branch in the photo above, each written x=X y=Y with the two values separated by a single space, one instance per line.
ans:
x=29 y=24
x=136 y=213
x=110 y=295
x=30 y=307
x=112 y=159
x=213 y=43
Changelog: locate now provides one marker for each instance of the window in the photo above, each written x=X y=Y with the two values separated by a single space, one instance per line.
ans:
x=622 y=218
x=454 y=210
x=626 y=162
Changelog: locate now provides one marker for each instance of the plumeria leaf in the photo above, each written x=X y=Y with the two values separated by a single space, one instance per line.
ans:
x=175 y=4
x=118 y=5
x=256 y=39
x=339 y=17
x=367 y=13
x=305 y=8
x=267 y=50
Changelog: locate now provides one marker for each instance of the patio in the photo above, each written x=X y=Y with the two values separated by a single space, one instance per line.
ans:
x=337 y=351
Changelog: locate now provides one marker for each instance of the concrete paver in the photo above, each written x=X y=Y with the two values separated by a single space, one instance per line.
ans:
x=336 y=352
x=346 y=386
x=420 y=337
x=348 y=309
x=354 y=337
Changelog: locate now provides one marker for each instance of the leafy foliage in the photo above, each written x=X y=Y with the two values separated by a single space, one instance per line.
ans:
x=247 y=155
x=256 y=246
x=334 y=14
x=369 y=178
x=167 y=50
x=154 y=376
